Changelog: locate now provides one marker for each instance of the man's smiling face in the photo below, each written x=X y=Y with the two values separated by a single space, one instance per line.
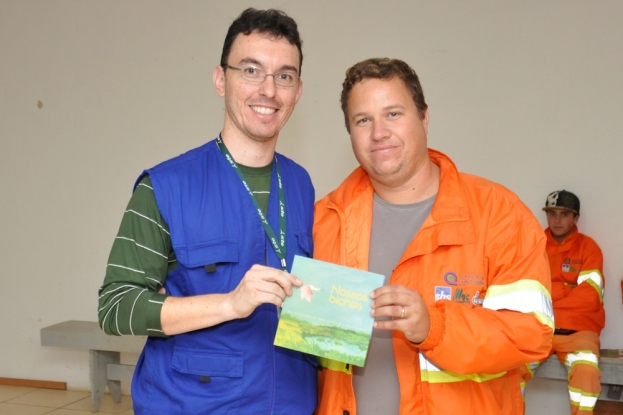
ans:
x=258 y=111
x=386 y=130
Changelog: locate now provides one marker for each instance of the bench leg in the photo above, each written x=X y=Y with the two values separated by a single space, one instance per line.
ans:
x=114 y=386
x=98 y=360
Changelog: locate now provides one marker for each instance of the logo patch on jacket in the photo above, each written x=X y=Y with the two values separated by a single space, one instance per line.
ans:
x=450 y=278
x=472 y=279
x=454 y=279
x=443 y=293
x=460 y=296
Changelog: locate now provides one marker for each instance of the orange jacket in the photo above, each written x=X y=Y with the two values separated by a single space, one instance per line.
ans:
x=481 y=253
x=576 y=266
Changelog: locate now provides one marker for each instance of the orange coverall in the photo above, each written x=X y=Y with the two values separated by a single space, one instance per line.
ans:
x=576 y=266
x=479 y=264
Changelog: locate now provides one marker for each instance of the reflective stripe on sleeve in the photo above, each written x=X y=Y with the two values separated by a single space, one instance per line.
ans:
x=525 y=296
x=595 y=279
x=433 y=374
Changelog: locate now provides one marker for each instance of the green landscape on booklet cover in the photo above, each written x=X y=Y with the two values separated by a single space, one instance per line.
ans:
x=329 y=316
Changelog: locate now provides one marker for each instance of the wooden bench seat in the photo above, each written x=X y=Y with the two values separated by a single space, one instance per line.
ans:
x=104 y=353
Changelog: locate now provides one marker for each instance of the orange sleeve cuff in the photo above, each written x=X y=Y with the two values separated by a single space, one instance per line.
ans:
x=437 y=329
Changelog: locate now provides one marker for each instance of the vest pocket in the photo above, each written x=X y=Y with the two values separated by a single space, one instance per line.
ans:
x=206 y=253
x=213 y=377
x=207 y=267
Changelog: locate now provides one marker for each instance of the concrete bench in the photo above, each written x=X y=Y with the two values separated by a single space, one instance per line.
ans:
x=104 y=352
x=611 y=372
x=105 y=367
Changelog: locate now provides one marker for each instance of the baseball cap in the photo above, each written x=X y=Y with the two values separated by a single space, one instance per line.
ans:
x=562 y=199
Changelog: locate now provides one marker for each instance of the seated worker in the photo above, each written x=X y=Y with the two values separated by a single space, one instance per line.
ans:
x=576 y=265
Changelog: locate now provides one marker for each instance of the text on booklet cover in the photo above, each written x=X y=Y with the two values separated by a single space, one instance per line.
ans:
x=329 y=315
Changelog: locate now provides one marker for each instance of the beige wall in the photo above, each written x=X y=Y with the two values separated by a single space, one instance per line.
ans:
x=528 y=94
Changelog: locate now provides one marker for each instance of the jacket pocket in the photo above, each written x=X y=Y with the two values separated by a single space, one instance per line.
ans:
x=213 y=378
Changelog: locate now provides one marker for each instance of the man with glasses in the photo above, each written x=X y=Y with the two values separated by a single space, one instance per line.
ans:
x=201 y=258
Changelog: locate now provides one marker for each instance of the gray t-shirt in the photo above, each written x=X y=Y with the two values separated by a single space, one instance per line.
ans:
x=393 y=227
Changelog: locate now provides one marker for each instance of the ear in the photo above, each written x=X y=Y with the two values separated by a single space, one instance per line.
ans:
x=425 y=122
x=299 y=92
x=576 y=218
x=218 y=77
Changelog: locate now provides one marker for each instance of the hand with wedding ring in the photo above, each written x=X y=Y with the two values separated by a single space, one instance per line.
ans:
x=407 y=308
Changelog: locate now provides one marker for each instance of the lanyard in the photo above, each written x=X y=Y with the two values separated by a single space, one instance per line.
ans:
x=279 y=247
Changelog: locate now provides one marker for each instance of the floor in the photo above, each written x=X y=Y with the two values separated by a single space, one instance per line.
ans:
x=18 y=400
x=551 y=397
x=608 y=408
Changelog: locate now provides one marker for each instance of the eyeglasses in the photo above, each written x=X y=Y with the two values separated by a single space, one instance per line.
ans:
x=257 y=75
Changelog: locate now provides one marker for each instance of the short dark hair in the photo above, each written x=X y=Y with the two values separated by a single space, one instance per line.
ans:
x=383 y=68
x=271 y=21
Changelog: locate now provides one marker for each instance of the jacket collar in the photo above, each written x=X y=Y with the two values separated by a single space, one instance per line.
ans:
x=565 y=245
x=449 y=222
x=451 y=203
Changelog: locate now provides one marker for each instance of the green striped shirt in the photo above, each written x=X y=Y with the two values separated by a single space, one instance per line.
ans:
x=141 y=257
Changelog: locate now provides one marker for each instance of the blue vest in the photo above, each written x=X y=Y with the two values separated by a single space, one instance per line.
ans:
x=232 y=368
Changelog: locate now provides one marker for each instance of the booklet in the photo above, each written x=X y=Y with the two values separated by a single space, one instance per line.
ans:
x=329 y=316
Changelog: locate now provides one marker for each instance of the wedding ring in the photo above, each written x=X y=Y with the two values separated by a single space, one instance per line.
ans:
x=403 y=313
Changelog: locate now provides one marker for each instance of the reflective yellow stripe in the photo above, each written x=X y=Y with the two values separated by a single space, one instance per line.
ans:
x=594 y=278
x=525 y=296
x=585 y=400
x=432 y=374
x=449 y=377
x=543 y=319
x=592 y=274
x=521 y=285
x=335 y=365
x=532 y=367
x=584 y=357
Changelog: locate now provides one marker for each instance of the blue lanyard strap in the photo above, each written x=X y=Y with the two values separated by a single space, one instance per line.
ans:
x=278 y=245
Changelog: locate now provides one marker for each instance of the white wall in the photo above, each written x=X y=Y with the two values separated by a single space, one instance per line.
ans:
x=528 y=94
